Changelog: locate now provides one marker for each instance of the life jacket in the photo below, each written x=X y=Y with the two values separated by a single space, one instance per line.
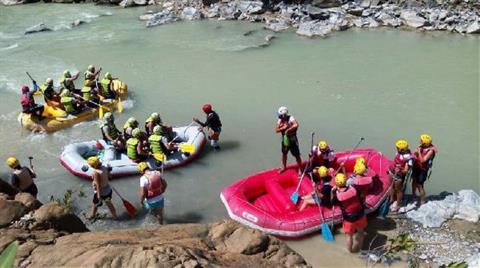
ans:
x=105 y=86
x=25 y=178
x=400 y=160
x=47 y=91
x=132 y=148
x=26 y=102
x=154 y=122
x=86 y=93
x=424 y=151
x=362 y=184
x=89 y=79
x=67 y=102
x=155 y=183
x=214 y=120
x=156 y=144
x=350 y=204
x=323 y=158
x=67 y=84
x=113 y=131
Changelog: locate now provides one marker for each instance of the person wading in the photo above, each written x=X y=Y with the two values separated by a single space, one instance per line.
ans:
x=152 y=187
x=213 y=123
x=424 y=155
x=22 y=177
x=288 y=126
x=102 y=192
x=351 y=205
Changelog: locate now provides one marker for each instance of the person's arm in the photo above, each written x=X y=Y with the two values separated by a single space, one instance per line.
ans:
x=426 y=158
x=96 y=184
x=142 y=190
x=35 y=86
x=293 y=127
x=106 y=132
x=200 y=122
x=280 y=127
x=97 y=72
x=32 y=173
x=73 y=78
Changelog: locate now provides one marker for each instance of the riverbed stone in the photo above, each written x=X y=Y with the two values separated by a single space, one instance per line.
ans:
x=53 y=215
x=41 y=27
x=314 y=28
x=30 y=202
x=412 y=18
x=10 y=211
x=161 y=18
x=277 y=25
x=473 y=28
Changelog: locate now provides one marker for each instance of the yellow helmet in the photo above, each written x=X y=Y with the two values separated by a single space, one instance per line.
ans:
x=401 y=145
x=359 y=169
x=361 y=160
x=322 y=171
x=425 y=139
x=93 y=161
x=142 y=166
x=12 y=162
x=340 y=180
x=136 y=133
x=322 y=145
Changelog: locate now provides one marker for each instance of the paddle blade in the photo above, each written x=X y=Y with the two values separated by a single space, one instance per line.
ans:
x=119 y=105
x=160 y=157
x=187 y=148
x=132 y=211
x=384 y=209
x=327 y=233
x=100 y=112
x=8 y=255
x=294 y=197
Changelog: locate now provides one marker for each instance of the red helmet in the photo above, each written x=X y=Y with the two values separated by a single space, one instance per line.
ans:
x=25 y=89
x=207 y=108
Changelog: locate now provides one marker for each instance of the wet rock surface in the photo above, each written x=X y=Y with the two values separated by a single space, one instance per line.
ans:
x=41 y=27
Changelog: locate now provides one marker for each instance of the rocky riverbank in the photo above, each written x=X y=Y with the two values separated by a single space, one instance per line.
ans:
x=317 y=17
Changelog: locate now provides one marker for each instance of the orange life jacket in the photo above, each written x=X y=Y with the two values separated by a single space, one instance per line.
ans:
x=350 y=204
x=155 y=183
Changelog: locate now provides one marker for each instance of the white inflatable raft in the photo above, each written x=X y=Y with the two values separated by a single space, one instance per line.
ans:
x=74 y=155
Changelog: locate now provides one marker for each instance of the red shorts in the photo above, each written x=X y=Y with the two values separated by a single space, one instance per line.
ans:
x=352 y=227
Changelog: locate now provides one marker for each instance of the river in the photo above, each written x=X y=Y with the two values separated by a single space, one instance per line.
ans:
x=379 y=84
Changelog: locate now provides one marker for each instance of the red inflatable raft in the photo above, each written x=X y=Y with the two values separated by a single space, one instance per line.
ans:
x=262 y=201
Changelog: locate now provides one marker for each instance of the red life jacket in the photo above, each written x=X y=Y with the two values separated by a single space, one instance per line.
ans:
x=424 y=151
x=362 y=183
x=350 y=204
x=155 y=184
x=322 y=158
x=25 y=101
x=400 y=160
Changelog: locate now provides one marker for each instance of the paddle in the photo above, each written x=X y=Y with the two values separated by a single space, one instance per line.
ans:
x=132 y=211
x=326 y=232
x=294 y=197
x=404 y=186
x=38 y=92
x=186 y=148
x=30 y=158
x=96 y=104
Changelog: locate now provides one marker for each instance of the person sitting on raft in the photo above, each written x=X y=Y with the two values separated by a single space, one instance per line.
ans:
x=90 y=86
x=359 y=180
x=135 y=147
x=424 y=155
x=101 y=187
x=110 y=132
x=67 y=82
x=213 y=123
x=22 y=177
x=159 y=144
x=128 y=127
x=401 y=165
x=106 y=87
x=152 y=121
x=351 y=205
x=322 y=155
x=152 y=188
x=288 y=126
x=321 y=196
x=28 y=102
x=70 y=104
x=49 y=94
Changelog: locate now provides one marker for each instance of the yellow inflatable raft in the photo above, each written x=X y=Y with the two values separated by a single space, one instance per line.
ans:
x=57 y=119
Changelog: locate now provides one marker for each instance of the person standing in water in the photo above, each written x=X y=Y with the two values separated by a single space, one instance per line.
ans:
x=101 y=187
x=288 y=126
x=22 y=177
x=401 y=165
x=213 y=123
x=152 y=187
x=422 y=165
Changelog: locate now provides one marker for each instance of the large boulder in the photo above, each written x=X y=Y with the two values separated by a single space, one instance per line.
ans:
x=326 y=3
x=161 y=18
x=30 y=202
x=190 y=13
x=11 y=2
x=473 y=28
x=53 y=215
x=10 y=211
x=412 y=18
x=314 y=28
x=7 y=188
x=41 y=27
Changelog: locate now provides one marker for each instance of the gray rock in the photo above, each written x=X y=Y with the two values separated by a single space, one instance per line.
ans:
x=314 y=28
x=412 y=19
x=327 y=3
x=190 y=13
x=213 y=12
x=140 y=2
x=473 y=28
x=11 y=2
x=127 y=3
x=356 y=11
x=371 y=23
x=76 y=23
x=147 y=16
x=37 y=29
x=317 y=14
x=277 y=25
x=161 y=18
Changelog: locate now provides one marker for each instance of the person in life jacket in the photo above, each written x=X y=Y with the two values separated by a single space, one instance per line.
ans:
x=401 y=165
x=110 y=132
x=213 y=124
x=321 y=195
x=70 y=104
x=49 y=94
x=351 y=205
x=360 y=181
x=155 y=120
x=128 y=127
x=135 y=147
x=106 y=87
x=22 y=177
x=152 y=188
x=287 y=125
x=102 y=192
x=28 y=102
x=90 y=86
x=159 y=144
x=67 y=81
x=322 y=155
x=422 y=166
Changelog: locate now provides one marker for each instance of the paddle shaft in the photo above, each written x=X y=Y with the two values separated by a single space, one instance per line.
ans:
x=33 y=80
x=30 y=158
x=308 y=163
x=119 y=195
x=349 y=154
x=98 y=105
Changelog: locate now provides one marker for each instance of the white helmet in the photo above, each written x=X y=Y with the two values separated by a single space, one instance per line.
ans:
x=282 y=111
x=49 y=81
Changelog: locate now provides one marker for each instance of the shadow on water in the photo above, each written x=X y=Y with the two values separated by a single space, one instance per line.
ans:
x=188 y=217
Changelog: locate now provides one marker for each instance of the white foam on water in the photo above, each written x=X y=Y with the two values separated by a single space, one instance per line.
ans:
x=8 y=36
x=36 y=137
x=9 y=47
x=128 y=104
x=89 y=16
x=11 y=116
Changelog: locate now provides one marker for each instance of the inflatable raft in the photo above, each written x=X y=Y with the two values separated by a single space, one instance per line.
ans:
x=56 y=119
x=74 y=155
x=262 y=201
